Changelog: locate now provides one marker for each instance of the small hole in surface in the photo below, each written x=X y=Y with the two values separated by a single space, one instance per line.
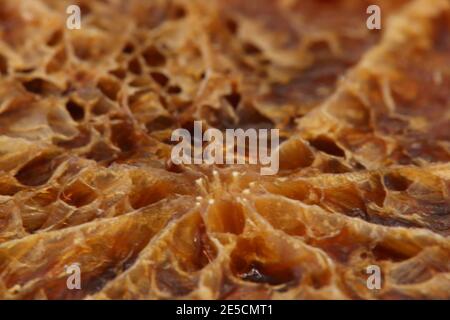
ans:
x=101 y=152
x=109 y=88
x=128 y=48
x=40 y=86
x=226 y=217
x=178 y=12
x=85 y=9
x=321 y=49
x=38 y=171
x=55 y=38
x=153 y=57
x=9 y=189
x=78 y=194
x=25 y=70
x=81 y=140
x=174 y=90
x=3 y=65
x=254 y=260
x=232 y=26
x=75 y=110
x=160 y=123
x=148 y=193
x=251 y=49
x=384 y=252
x=140 y=81
x=123 y=136
x=57 y=61
x=327 y=146
x=135 y=66
x=102 y=106
x=396 y=182
x=160 y=78
x=119 y=73
x=233 y=99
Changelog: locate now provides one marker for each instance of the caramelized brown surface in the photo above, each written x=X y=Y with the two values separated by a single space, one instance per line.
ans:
x=85 y=171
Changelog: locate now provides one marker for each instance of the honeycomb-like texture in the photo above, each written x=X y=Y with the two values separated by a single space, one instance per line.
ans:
x=86 y=177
